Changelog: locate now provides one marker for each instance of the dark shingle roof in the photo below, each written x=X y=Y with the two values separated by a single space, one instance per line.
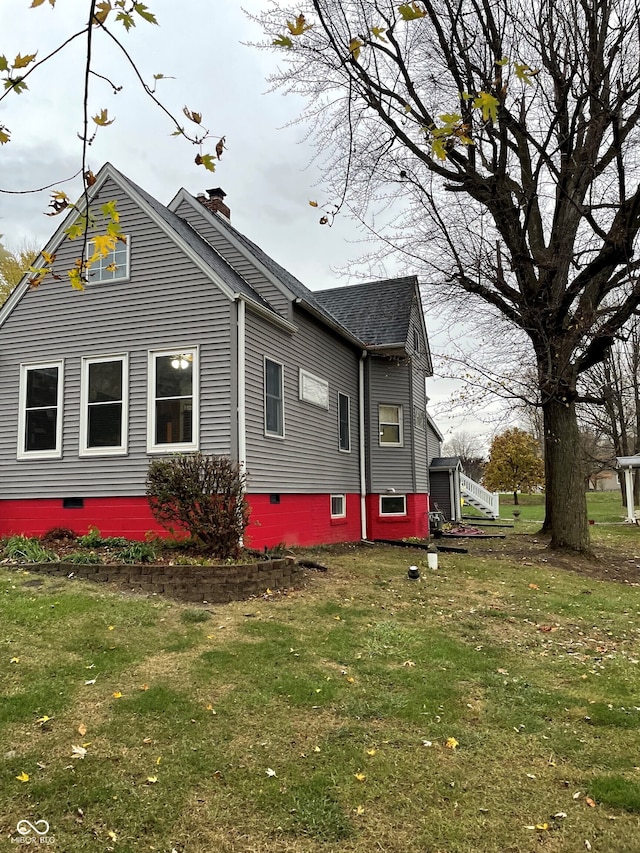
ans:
x=446 y=462
x=377 y=312
x=199 y=245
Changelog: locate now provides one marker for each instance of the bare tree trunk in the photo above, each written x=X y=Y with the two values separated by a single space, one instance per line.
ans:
x=565 y=493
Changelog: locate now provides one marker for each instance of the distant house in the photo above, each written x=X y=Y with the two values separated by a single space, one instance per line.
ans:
x=189 y=337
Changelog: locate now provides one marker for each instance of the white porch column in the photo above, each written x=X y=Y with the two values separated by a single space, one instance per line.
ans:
x=628 y=479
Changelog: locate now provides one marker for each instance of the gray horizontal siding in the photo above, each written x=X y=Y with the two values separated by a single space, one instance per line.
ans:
x=307 y=459
x=168 y=303
x=260 y=283
x=389 y=467
x=419 y=370
x=433 y=445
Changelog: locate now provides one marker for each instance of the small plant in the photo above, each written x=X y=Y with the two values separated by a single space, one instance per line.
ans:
x=135 y=552
x=27 y=550
x=58 y=534
x=92 y=539
x=202 y=495
x=82 y=557
x=194 y=616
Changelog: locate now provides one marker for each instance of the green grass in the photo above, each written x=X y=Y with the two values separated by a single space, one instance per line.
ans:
x=602 y=507
x=319 y=720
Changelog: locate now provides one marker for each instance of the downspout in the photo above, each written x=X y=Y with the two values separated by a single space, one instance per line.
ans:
x=362 y=448
x=242 y=391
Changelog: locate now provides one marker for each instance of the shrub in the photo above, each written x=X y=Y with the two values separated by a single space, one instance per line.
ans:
x=203 y=495
x=27 y=550
x=92 y=539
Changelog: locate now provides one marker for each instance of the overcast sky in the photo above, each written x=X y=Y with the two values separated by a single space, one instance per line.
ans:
x=266 y=170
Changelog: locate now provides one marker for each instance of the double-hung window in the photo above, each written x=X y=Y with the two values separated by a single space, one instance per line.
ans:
x=113 y=265
x=103 y=395
x=40 y=411
x=390 y=425
x=273 y=398
x=344 y=423
x=173 y=413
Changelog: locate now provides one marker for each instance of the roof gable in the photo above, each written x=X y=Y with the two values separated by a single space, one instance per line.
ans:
x=191 y=243
x=378 y=312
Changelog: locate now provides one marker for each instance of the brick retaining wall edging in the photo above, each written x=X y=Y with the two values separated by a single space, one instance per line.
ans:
x=211 y=584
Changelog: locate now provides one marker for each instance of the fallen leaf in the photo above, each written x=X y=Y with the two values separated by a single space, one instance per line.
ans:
x=111 y=627
x=152 y=780
x=427 y=743
x=359 y=810
x=78 y=751
x=144 y=687
x=112 y=835
x=91 y=681
x=502 y=671
x=542 y=826
x=43 y=720
x=533 y=586
x=82 y=729
x=147 y=740
x=451 y=743
x=408 y=663
x=117 y=695
x=316 y=749
x=271 y=772
x=587 y=844
x=360 y=777
x=14 y=660
x=591 y=803
x=371 y=751
x=23 y=777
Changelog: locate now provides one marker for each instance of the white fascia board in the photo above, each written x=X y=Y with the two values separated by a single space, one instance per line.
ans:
x=628 y=461
x=267 y=313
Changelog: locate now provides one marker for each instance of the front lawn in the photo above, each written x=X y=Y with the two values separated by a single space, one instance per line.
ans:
x=491 y=706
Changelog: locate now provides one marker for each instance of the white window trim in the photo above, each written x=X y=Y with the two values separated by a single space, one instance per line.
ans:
x=348 y=399
x=399 y=443
x=175 y=447
x=92 y=278
x=121 y=449
x=320 y=382
x=56 y=452
x=264 y=394
x=388 y=514
x=342 y=514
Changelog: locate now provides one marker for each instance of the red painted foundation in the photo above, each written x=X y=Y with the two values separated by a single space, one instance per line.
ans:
x=414 y=524
x=275 y=519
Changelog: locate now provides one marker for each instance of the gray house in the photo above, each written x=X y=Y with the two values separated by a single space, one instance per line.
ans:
x=189 y=337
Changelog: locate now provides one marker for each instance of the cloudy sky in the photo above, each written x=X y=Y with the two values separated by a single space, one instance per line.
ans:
x=266 y=170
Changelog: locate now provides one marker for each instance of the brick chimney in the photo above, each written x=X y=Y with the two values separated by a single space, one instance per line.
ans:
x=215 y=202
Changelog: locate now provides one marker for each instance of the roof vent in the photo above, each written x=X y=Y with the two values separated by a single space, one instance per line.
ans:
x=215 y=202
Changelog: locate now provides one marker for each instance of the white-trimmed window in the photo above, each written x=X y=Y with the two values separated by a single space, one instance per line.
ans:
x=314 y=390
x=40 y=410
x=338 y=506
x=173 y=410
x=393 y=504
x=273 y=398
x=103 y=400
x=390 y=425
x=344 y=423
x=114 y=266
x=419 y=418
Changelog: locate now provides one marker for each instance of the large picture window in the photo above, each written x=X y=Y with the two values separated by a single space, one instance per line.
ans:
x=344 y=423
x=390 y=425
x=114 y=266
x=103 y=425
x=173 y=403
x=273 y=398
x=40 y=411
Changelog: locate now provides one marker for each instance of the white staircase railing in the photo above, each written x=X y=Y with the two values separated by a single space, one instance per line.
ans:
x=488 y=501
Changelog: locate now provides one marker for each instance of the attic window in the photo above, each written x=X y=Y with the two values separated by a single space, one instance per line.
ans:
x=114 y=266
x=416 y=341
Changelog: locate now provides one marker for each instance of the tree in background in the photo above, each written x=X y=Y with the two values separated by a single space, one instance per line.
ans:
x=469 y=450
x=507 y=135
x=514 y=464
x=13 y=265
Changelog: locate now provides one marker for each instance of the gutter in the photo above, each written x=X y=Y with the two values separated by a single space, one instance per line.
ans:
x=361 y=449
